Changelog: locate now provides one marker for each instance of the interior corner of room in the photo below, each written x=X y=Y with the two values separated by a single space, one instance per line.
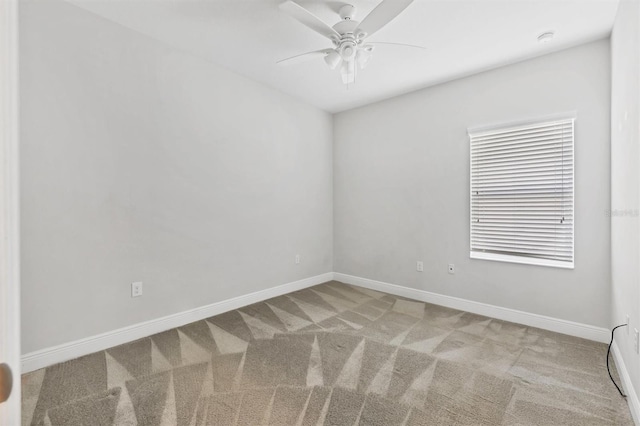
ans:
x=141 y=162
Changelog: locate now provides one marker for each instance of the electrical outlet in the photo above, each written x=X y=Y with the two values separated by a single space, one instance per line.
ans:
x=136 y=289
x=636 y=342
x=297 y=259
x=419 y=266
x=452 y=268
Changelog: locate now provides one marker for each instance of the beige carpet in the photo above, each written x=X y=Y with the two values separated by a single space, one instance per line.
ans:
x=335 y=355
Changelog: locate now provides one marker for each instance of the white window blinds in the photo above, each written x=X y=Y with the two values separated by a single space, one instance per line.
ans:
x=522 y=193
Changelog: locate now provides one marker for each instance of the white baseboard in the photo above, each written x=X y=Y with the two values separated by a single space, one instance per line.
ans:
x=64 y=352
x=627 y=386
x=49 y=356
x=571 y=328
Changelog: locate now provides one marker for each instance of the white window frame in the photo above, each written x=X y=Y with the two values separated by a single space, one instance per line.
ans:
x=501 y=257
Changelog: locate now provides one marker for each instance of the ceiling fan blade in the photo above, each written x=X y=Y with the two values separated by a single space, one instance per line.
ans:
x=397 y=44
x=382 y=15
x=307 y=18
x=304 y=57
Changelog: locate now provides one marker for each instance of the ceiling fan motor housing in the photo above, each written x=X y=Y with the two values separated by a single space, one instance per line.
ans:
x=348 y=50
x=345 y=27
x=347 y=45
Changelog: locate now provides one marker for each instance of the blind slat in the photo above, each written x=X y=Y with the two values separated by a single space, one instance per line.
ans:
x=518 y=236
x=519 y=153
x=527 y=250
x=537 y=143
x=556 y=178
x=527 y=242
x=522 y=131
x=528 y=169
x=531 y=227
x=525 y=161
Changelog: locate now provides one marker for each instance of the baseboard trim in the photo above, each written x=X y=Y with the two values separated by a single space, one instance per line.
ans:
x=49 y=356
x=571 y=328
x=43 y=358
x=632 y=396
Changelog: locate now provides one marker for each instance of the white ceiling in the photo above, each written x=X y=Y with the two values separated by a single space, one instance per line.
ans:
x=462 y=37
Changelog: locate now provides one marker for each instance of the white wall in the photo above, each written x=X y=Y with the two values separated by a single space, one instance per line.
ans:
x=142 y=163
x=401 y=185
x=625 y=180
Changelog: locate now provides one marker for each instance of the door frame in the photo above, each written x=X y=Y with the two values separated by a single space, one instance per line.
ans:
x=9 y=208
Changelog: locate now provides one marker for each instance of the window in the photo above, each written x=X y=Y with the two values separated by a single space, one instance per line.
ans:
x=522 y=193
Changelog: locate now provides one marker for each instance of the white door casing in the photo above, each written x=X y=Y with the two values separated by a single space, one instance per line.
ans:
x=9 y=225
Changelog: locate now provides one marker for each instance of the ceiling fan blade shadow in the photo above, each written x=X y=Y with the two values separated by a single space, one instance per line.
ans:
x=383 y=13
x=304 y=57
x=307 y=18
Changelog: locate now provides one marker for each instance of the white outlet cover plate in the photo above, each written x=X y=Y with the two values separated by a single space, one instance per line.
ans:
x=136 y=289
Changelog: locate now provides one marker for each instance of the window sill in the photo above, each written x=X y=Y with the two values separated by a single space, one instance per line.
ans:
x=520 y=259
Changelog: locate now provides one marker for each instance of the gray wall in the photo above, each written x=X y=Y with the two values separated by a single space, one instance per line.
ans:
x=142 y=163
x=401 y=185
x=625 y=179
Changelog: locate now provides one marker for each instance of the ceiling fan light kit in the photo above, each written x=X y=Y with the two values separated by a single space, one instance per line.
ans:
x=333 y=59
x=350 y=51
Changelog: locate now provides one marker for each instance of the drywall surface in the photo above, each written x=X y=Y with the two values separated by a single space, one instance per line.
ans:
x=625 y=180
x=401 y=185
x=143 y=163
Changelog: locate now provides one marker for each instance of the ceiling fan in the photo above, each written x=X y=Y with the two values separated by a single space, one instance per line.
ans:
x=350 y=49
